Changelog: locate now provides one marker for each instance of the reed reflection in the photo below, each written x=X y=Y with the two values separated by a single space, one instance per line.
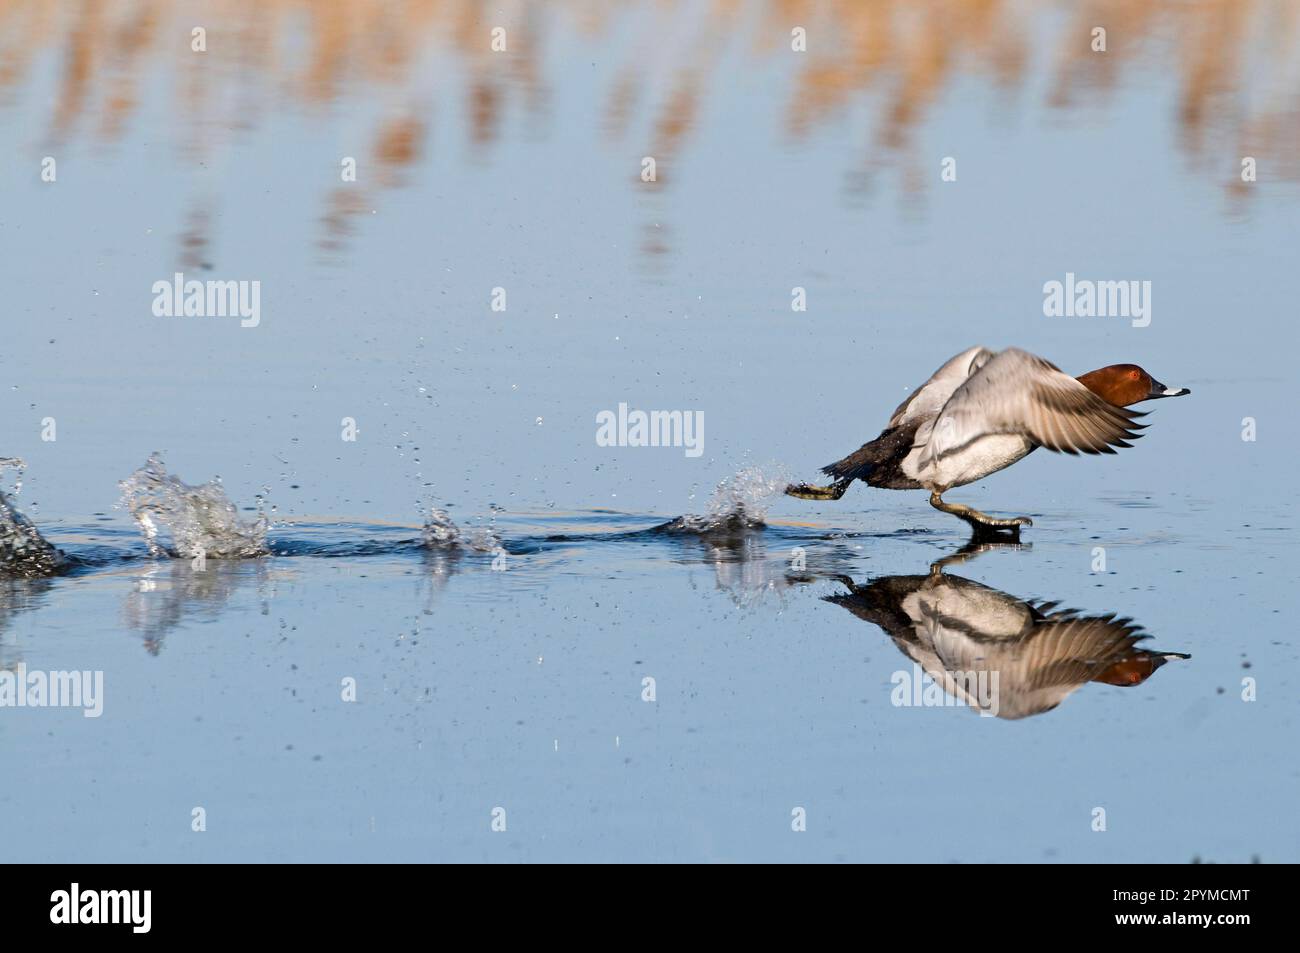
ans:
x=380 y=73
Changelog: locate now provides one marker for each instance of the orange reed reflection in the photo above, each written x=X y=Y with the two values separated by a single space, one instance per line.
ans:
x=878 y=64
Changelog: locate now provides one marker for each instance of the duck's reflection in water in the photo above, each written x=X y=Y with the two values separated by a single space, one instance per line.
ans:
x=998 y=653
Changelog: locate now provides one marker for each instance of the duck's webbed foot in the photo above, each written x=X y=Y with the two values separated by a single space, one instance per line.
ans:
x=806 y=491
x=982 y=523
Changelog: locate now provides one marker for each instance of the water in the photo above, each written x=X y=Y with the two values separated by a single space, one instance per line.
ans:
x=200 y=521
x=495 y=587
x=24 y=552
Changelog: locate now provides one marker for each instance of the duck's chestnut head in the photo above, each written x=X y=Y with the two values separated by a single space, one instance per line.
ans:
x=1135 y=669
x=1124 y=384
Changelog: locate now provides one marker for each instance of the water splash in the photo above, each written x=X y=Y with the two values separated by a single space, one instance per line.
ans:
x=439 y=529
x=441 y=532
x=739 y=503
x=24 y=551
x=750 y=490
x=185 y=521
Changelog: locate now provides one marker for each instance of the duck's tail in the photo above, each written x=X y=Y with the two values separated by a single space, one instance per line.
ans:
x=806 y=491
x=874 y=463
x=857 y=465
x=890 y=446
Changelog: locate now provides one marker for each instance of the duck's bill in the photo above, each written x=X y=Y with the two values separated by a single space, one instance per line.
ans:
x=1160 y=390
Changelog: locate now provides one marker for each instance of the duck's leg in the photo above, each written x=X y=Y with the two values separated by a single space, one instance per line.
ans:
x=805 y=491
x=981 y=521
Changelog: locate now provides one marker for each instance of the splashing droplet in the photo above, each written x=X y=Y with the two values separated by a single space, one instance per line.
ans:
x=23 y=550
x=441 y=532
x=198 y=519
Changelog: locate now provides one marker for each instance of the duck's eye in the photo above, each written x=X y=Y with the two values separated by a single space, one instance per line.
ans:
x=1134 y=375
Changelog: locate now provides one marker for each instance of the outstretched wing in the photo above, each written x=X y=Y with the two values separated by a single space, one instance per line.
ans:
x=1020 y=393
x=1069 y=649
x=926 y=401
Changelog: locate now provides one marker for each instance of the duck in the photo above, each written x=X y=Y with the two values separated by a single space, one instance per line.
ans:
x=984 y=410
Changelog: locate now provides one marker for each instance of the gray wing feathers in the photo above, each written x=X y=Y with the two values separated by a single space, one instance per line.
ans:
x=926 y=401
x=1020 y=393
